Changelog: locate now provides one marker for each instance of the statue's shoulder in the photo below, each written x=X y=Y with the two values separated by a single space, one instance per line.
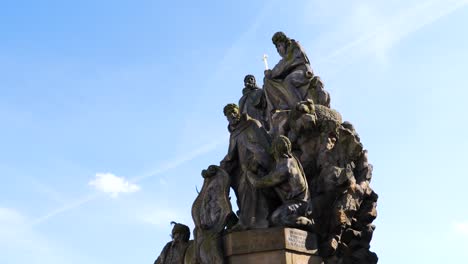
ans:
x=251 y=121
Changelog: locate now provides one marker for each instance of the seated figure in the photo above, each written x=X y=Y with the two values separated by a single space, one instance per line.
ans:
x=288 y=82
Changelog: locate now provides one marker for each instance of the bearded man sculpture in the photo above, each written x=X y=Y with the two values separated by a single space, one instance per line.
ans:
x=288 y=82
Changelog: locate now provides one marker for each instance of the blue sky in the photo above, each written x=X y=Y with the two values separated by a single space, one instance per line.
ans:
x=109 y=110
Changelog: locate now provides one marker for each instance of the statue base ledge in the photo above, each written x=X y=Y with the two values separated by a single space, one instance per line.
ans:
x=272 y=245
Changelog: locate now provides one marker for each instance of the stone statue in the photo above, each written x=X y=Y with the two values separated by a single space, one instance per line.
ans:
x=289 y=182
x=249 y=143
x=288 y=82
x=253 y=101
x=211 y=211
x=345 y=203
x=174 y=251
x=303 y=132
x=317 y=93
x=315 y=176
x=310 y=128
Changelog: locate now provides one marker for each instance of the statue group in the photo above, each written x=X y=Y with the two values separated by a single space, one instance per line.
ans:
x=292 y=162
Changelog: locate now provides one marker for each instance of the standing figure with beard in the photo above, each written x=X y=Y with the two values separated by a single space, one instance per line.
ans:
x=253 y=101
x=248 y=144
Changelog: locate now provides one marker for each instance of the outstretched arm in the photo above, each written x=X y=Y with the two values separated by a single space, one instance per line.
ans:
x=271 y=179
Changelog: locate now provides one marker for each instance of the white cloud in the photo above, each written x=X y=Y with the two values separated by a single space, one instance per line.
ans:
x=113 y=185
x=461 y=228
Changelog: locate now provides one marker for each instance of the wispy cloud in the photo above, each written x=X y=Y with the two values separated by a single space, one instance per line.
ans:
x=10 y=221
x=461 y=228
x=47 y=190
x=181 y=160
x=69 y=206
x=379 y=38
x=110 y=184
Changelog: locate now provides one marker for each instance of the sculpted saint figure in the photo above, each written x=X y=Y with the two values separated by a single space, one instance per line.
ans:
x=288 y=82
x=289 y=182
x=174 y=251
x=249 y=143
x=253 y=101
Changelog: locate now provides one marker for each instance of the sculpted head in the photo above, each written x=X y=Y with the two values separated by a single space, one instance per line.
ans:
x=249 y=81
x=210 y=171
x=231 y=111
x=306 y=107
x=281 y=42
x=317 y=82
x=180 y=232
x=282 y=147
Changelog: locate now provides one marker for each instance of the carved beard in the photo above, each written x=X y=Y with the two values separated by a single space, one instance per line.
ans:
x=250 y=85
x=282 y=50
x=234 y=122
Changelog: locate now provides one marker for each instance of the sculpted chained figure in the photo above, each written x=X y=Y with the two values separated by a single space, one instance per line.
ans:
x=288 y=180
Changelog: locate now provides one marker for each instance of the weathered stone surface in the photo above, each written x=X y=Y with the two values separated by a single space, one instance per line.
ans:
x=288 y=82
x=249 y=143
x=319 y=181
x=275 y=257
x=250 y=241
x=210 y=213
x=272 y=245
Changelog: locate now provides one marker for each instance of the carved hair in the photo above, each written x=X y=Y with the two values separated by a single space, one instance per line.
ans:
x=229 y=108
x=181 y=229
x=317 y=82
x=282 y=147
x=248 y=76
x=279 y=37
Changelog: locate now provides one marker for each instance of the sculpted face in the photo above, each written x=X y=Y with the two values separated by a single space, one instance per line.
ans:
x=233 y=116
x=249 y=81
x=177 y=237
x=281 y=48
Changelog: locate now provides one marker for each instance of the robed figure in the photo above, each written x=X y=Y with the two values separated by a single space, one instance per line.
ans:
x=288 y=82
x=249 y=143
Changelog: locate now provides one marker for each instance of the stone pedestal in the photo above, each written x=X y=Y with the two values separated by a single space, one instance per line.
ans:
x=273 y=245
